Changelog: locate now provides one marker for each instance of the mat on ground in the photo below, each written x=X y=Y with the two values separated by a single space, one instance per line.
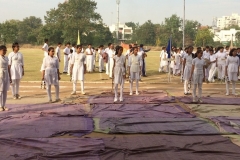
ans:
x=169 y=147
x=42 y=126
x=51 y=148
x=178 y=126
x=212 y=100
x=139 y=110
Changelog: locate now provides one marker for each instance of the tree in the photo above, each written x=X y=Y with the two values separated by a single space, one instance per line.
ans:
x=204 y=37
x=191 y=28
x=9 y=31
x=232 y=27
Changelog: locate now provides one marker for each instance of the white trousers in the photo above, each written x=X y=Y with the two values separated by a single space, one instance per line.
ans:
x=221 y=71
x=89 y=63
x=195 y=86
x=69 y=66
x=186 y=86
x=75 y=86
x=121 y=90
x=15 y=86
x=65 y=69
x=207 y=71
x=56 y=92
x=212 y=73
x=233 y=87
x=131 y=85
x=3 y=98
x=111 y=67
x=101 y=64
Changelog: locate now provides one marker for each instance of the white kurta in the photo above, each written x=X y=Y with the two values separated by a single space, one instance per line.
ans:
x=90 y=59
x=188 y=66
x=78 y=61
x=198 y=70
x=100 y=61
x=177 y=61
x=212 y=68
x=163 y=56
x=111 y=54
x=51 y=66
x=4 y=75
x=45 y=48
x=233 y=66
x=17 y=63
x=58 y=52
x=66 y=51
x=119 y=69
x=134 y=64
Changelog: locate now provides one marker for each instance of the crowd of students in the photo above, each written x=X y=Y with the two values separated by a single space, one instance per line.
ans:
x=206 y=64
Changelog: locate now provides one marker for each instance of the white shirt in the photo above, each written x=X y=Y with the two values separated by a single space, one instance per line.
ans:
x=88 y=52
x=206 y=55
x=213 y=57
x=111 y=53
x=198 y=63
x=58 y=52
x=67 y=51
x=45 y=47
x=221 y=57
x=128 y=52
x=232 y=63
x=74 y=50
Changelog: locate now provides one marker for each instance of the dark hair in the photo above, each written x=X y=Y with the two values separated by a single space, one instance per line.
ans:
x=68 y=43
x=231 y=52
x=59 y=43
x=198 y=52
x=78 y=46
x=130 y=46
x=46 y=40
x=109 y=44
x=117 y=49
x=101 y=46
x=134 y=48
x=71 y=51
x=141 y=45
x=199 y=48
x=74 y=44
x=227 y=47
x=3 y=47
x=89 y=44
x=207 y=47
x=163 y=48
x=180 y=48
x=50 y=48
x=210 y=50
x=221 y=47
x=15 y=44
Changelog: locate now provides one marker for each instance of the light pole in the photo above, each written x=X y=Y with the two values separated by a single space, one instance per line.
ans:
x=118 y=3
x=183 y=24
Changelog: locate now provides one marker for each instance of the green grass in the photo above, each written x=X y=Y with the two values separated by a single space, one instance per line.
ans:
x=33 y=60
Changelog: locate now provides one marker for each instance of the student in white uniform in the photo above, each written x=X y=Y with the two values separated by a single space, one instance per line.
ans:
x=212 y=66
x=100 y=56
x=74 y=47
x=106 y=53
x=206 y=57
x=69 y=60
x=94 y=58
x=16 y=65
x=58 y=51
x=177 y=63
x=51 y=74
x=5 y=78
x=89 y=53
x=187 y=66
x=227 y=50
x=232 y=71
x=134 y=68
x=163 y=61
x=78 y=69
x=197 y=75
x=221 y=63
x=111 y=54
x=128 y=53
x=66 y=52
x=45 y=48
x=119 y=72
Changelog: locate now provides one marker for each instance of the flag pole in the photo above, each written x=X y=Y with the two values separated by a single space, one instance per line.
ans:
x=169 y=59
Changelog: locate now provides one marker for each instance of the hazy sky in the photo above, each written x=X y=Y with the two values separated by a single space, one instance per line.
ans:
x=130 y=10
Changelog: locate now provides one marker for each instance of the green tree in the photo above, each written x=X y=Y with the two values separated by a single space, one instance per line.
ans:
x=191 y=29
x=204 y=37
x=9 y=31
x=146 y=33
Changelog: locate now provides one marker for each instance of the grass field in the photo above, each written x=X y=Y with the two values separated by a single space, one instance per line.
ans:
x=33 y=60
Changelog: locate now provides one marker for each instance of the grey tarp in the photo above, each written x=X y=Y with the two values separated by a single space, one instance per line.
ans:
x=138 y=110
x=50 y=148
x=179 y=126
x=169 y=147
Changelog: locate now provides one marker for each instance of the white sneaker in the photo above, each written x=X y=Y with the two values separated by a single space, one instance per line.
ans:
x=73 y=93
x=121 y=99
x=130 y=94
x=137 y=93
x=115 y=100
x=83 y=93
x=194 y=101
x=227 y=94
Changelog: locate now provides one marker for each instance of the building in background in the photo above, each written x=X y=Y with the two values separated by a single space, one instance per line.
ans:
x=227 y=21
x=125 y=32
x=225 y=36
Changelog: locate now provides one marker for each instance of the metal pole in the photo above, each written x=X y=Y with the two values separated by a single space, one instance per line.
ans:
x=183 y=24
x=118 y=2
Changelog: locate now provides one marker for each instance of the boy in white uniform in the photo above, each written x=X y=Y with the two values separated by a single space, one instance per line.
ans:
x=5 y=78
x=89 y=53
x=232 y=71
x=212 y=66
x=16 y=66
x=100 y=61
x=107 y=63
x=221 y=63
x=66 y=52
x=111 y=54
x=163 y=61
x=69 y=60
x=134 y=68
x=78 y=69
x=58 y=51
x=206 y=57
x=177 y=63
x=45 y=48
x=119 y=72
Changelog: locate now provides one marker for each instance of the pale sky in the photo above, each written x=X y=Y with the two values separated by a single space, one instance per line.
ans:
x=130 y=10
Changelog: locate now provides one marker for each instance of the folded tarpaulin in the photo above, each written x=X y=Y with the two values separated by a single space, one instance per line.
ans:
x=51 y=148
x=170 y=147
x=178 y=126
x=227 y=124
x=35 y=126
x=54 y=109
x=212 y=100
x=139 y=110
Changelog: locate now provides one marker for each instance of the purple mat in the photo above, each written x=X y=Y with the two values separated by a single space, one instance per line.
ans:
x=139 y=110
x=140 y=99
x=34 y=126
x=227 y=124
x=212 y=100
x=178 y=126
x=167 y=147
x=54 y=148
x=54 y=109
